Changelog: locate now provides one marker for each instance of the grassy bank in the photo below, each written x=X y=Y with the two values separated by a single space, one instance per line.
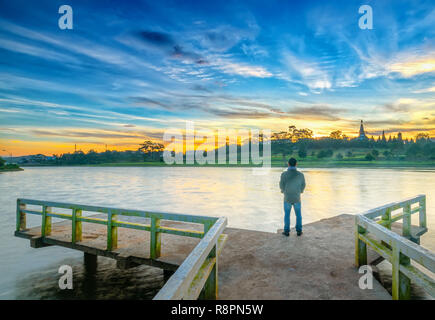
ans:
x=9 y=169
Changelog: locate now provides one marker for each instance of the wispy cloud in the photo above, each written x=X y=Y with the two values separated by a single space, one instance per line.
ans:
x=426 y=90
x=243 y=70
x=413 y=67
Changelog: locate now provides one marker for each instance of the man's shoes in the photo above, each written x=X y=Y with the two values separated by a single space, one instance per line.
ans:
x=286 y=233
x=300 y=233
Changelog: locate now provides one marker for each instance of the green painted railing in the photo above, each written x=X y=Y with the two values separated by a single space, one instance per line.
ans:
x=198 y=273
x=372 y=228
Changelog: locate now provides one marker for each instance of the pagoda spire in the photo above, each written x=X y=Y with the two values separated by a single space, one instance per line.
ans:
x=362 y=134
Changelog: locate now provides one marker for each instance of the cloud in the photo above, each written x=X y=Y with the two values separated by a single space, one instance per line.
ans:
x=198 y=87
x=85 y=113
x=166 y=42
x=87 y=134
x=426 y=90
x=243 y=70
x=229 y=106
x=304 y=113
x=212 y=45
x=117 y=76
x=310 y=73
x=136 y=135
x=254 y=50
x=400 y=129
x=397 y=107
x=377 y=62
x=409 y=105
x=224 y=37
x=180 y=53
x=157 y=38
x=36 y=51
x=318 y=112
x=413 y=66
x=239 y=113
x=149 y=102
x=74 y=50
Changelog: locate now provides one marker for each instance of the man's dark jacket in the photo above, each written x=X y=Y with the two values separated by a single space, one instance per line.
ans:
x=292 y=184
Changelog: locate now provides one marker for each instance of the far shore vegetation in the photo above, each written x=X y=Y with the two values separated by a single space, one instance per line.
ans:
x=4 y=167
x=335 y=150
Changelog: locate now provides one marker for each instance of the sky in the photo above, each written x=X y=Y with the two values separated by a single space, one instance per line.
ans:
x=130 y=70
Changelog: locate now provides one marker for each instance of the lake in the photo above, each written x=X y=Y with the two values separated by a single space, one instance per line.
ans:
x=248 y=201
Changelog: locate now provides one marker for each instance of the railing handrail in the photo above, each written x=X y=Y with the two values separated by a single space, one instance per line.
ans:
x=423 y=256
x=396 y=248
x=119 y=211
x=178 y=285
x=376 y=212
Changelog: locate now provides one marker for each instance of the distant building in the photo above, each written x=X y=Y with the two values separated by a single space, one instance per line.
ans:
x=399 y=137
x=33 y=159
x=362 y=135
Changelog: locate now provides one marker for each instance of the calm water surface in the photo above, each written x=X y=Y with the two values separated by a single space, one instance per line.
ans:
x=249 y=201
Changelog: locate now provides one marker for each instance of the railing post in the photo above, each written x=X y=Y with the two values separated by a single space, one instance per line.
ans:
x=211 y=285
x=21 y=216
x=91 y=263
x=155 y=243
x=422 y=212
x=386 y=217
x=76 y=226
x=46 y=221
x=406 y=226
x=360 y=246
x=112 y=232
x=395 y=262
x=404 y=281
x=401 y=284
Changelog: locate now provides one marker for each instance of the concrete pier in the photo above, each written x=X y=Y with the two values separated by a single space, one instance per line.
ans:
x=133 y=245
x=253 y=264
x=317 y=265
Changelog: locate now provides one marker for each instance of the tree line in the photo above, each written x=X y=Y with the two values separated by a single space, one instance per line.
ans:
x=339 y=146
x=7 y=166
x=294 y=141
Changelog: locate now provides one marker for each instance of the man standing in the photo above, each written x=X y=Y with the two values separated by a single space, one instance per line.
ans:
x=292 y=184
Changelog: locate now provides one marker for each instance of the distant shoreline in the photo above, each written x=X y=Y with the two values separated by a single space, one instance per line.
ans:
x=275 y=164
x=11 y=169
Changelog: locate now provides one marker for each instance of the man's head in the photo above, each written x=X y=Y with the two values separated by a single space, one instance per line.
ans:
x=292 y=162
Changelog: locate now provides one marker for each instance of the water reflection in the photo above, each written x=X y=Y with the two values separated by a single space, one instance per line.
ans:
x=249 y=201
x=107 y=283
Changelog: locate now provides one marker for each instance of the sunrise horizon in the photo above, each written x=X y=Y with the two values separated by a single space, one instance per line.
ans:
x=52 y=148
x=241 y=67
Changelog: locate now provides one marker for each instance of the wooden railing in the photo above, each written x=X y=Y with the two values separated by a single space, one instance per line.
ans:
x=373 y=228
x=198 y=272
